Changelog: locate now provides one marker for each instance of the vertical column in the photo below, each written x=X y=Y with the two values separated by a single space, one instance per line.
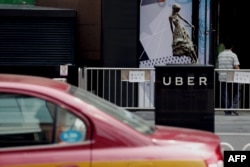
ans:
x=184 y=96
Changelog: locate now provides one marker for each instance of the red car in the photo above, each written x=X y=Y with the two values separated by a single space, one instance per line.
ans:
x=48 y=123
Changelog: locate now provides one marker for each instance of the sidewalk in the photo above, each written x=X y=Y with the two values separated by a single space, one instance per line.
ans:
x=219 y=117
x=240 y=112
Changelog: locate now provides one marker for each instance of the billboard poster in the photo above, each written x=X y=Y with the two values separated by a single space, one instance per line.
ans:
x=156 y=36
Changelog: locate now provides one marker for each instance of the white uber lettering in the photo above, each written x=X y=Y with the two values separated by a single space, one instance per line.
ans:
x=178 y=81
x=203 y=80
x=166 y=83
x=190 y=80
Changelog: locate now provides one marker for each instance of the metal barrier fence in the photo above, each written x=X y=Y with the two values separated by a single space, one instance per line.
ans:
x=237 y=82
x=133 y=88
x=129 y=88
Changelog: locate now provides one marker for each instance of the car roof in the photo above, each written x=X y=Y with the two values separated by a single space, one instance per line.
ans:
x=33 y=80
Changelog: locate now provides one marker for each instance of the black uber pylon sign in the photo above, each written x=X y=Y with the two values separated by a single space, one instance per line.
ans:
x=184 y=96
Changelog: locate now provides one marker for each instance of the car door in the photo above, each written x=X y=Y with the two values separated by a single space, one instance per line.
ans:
x=35 y=132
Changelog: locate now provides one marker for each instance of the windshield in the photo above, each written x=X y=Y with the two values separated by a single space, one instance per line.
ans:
x=121 y=114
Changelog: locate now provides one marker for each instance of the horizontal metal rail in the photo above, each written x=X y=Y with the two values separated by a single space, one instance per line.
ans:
x=118 y=86
x=129 y=88
x=240 y=77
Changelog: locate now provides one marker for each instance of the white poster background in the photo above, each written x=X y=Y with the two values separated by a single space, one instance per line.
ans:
x=155 y=33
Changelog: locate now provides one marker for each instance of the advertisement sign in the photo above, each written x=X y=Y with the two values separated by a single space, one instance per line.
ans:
x=184 y=96
x=158 y=43
x=155 y=31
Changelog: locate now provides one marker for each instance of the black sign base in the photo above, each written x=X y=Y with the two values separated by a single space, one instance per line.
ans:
x=184 y=96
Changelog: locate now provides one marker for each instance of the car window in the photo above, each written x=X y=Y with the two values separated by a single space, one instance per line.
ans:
x=26 y=121
x=123 y=115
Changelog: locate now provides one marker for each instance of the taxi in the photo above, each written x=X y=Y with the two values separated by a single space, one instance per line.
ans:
x=49 y=123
